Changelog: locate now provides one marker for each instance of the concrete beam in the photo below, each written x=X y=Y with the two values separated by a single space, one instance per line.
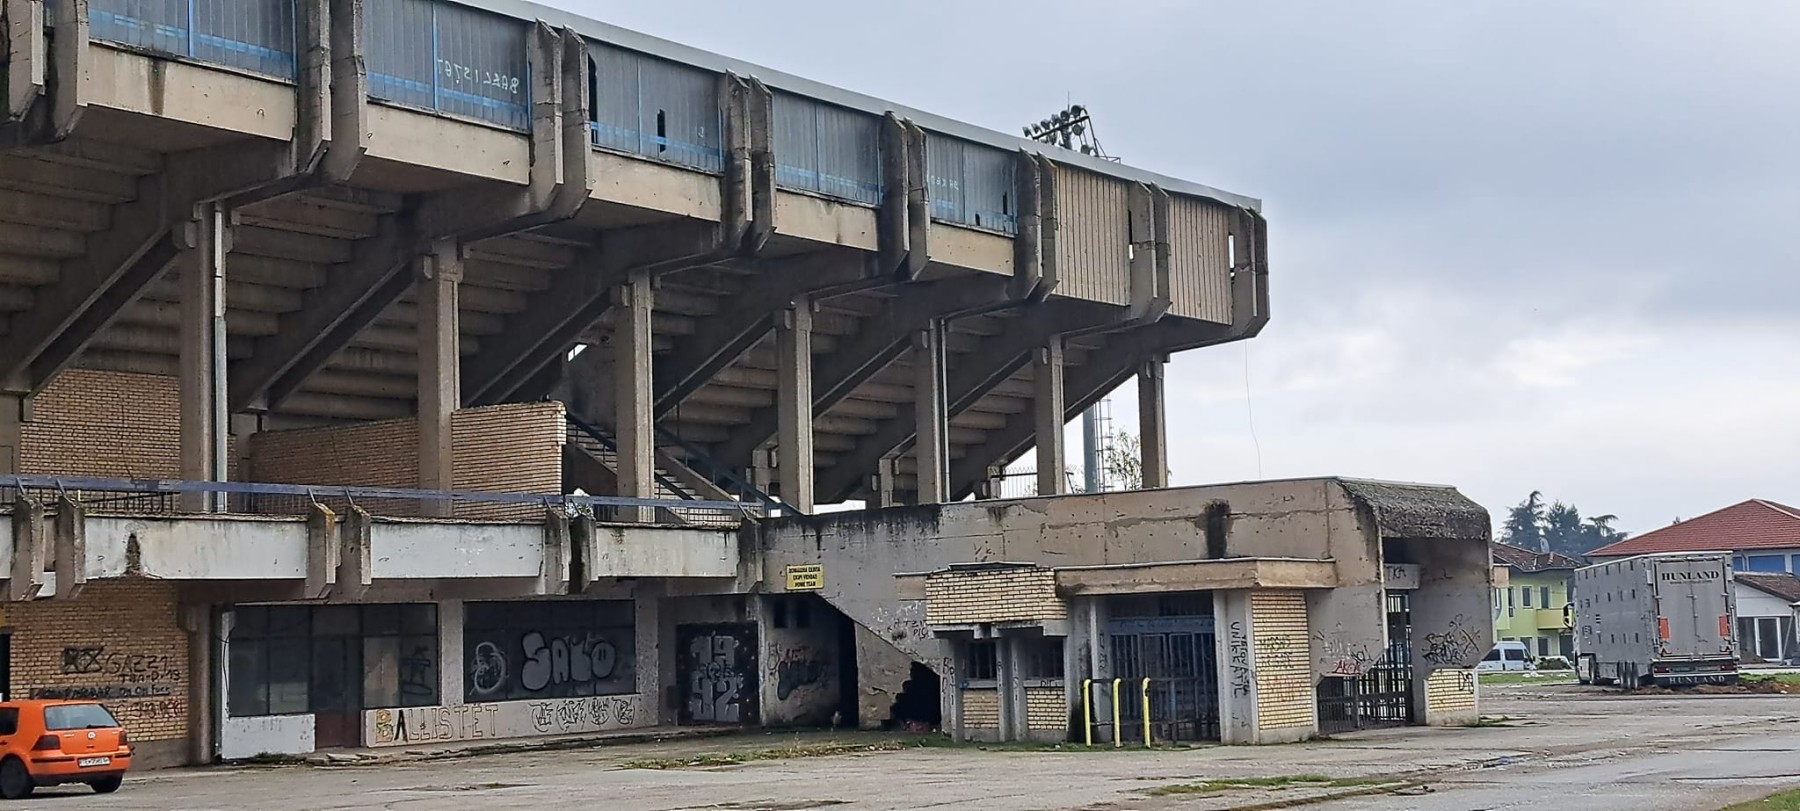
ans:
x=323 y=549
x=70 y=555
x=721 y=340
x=91 y=290
x=966 y=382
x=634 y=418
x=554 y=319
x=348 y=136
x=553 y=577
x=1196 y=575
x=28 y=57
x=68 y=58
x=878 y=342
x=355 y=571
x=29 y=551
x=932 y=448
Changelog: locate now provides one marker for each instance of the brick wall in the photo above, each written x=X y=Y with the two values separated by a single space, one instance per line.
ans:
x=120 y=642
x=988 y=595
x=1046 y=708
x=1284 y=685
x=1450 y=691
x=111 y=424
x=509 y=448
x=981 y=709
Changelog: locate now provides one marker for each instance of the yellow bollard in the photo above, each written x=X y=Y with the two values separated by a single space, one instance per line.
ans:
x=1146 y=713
x=1118 y=734
x=1087 y=709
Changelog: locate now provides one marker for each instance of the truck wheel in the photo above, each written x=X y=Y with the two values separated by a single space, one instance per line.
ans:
x=15 y=781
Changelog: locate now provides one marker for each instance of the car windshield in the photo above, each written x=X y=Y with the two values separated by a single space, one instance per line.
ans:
x=77 y=716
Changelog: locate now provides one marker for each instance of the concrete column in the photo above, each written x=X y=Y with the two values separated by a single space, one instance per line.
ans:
x=202 y=720
x=1047 y=404
x=884 y=482
x=1153 y=432
x=647 y=611
x=636 y=428
x=930 y=447
x=794 y=436
x=201 y=367
x=450 y=651
x=1235 y=635
x=440 y=363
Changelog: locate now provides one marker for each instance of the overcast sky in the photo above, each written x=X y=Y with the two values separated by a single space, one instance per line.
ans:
x=1515 y=245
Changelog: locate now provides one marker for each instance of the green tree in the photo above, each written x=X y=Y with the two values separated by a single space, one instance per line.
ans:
x=1563 y=531
x=1525 y=524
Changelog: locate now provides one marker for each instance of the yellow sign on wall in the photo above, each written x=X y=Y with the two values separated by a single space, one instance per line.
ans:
x=807 y=577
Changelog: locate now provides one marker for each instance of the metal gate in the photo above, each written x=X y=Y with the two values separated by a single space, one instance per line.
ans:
x=1383 y=695
x=717 y=671
x=1176 y=654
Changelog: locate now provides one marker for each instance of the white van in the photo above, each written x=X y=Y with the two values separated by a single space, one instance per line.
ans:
x=1506 y=656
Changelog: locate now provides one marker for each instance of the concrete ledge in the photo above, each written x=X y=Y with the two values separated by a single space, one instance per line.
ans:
x=1197 y=575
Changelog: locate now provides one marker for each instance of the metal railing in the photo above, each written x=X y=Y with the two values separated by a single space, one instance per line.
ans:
x=723 y=475
x=154 y=496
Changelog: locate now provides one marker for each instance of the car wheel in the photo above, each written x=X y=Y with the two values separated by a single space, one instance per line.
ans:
x=107 y=785
x=15 y=782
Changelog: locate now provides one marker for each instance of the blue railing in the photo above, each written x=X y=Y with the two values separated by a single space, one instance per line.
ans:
x=162 y=495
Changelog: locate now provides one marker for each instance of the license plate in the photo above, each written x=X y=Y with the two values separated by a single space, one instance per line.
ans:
x=93 y=761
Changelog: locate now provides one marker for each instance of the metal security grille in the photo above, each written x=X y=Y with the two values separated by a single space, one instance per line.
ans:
x=1383 y=695
x=1177 y=655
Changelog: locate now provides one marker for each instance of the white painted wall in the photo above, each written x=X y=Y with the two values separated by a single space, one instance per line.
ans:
x=504 y=719
x=224 y=548
x=1753 y=602
x=664 y=552
x=266 y=735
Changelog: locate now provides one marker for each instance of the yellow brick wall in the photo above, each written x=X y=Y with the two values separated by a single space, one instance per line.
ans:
x=120 y=642
x=509 y=448
x=1450 y=690
x=1014 y=594
x=1284 y=687
x=109 y=424
x=1046 y=708
x=981 y=709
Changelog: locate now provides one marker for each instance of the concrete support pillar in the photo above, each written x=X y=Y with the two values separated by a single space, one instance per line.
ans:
x=450 y=651
x=633 y=397
x=1153 y=433
x=202 y=720
x=440 y=362
x=931 y=447
x=884 y=485
x=1047 y=406
x=1237 y=666
x=794 y=436
x=201 y=367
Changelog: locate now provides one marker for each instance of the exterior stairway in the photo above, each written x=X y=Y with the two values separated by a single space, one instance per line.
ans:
x=590 y=463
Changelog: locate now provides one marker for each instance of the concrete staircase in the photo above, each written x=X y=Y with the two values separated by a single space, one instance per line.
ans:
x=591 y=464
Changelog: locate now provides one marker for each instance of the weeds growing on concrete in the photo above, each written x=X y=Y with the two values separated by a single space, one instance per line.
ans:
x=1284 y=781
x=1785 y=801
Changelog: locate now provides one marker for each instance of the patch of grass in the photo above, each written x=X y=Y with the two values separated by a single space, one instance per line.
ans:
x=1779 y=678
x=797 y=750
x=1285 y=781
x=270 y=759
x=1785 y=801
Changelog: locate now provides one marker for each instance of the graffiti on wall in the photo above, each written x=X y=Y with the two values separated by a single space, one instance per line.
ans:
x=717 y=667
x=542 y=664
x=135 y=687
x=579 y=657
x=1242 y=676
x=502 y=719
x=1458 y=644
x=1342 y=656
x=797 y=668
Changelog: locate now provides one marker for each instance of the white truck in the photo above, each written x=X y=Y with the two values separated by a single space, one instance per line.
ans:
x=1663 y=620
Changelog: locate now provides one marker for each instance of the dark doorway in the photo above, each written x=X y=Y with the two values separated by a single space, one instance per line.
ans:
x=919 y=707
x=849 y=691
x=716 y=667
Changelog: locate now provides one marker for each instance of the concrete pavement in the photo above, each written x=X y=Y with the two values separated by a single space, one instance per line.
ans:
x=1578 y=748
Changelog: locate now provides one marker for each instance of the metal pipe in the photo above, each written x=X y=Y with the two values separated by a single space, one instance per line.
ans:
x=1087 y=709
x=1118 y=734
x=1146 y=713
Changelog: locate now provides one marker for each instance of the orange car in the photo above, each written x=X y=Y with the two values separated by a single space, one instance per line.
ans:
x=49 y=743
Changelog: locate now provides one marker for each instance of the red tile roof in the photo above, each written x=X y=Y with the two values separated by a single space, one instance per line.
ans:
x=1526 y=560
x=1754 y=524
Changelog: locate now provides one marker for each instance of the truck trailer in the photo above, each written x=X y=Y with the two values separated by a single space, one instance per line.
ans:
x=1665 y=619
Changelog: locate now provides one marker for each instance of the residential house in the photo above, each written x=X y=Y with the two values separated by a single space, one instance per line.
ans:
x=1768 y=608
x=1762 y=536
x=1533 y=607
